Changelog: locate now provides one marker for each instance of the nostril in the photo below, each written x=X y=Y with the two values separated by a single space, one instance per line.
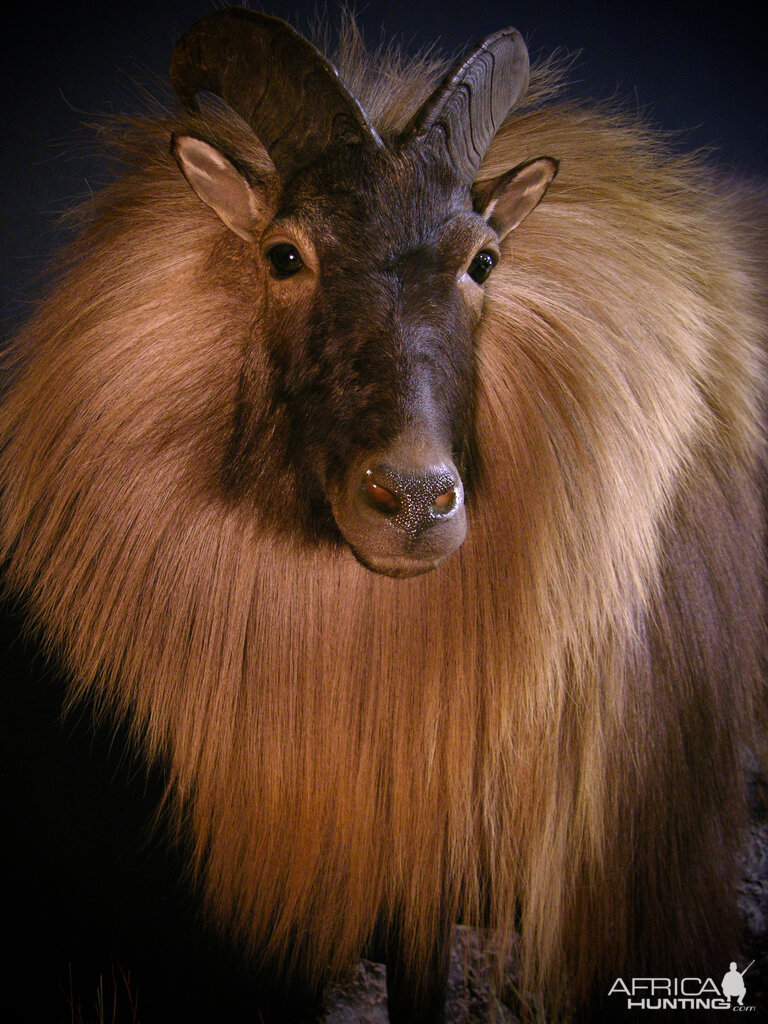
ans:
x=445 y=502
x=379 y=497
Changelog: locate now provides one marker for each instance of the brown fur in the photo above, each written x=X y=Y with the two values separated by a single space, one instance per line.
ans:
x=549 y=724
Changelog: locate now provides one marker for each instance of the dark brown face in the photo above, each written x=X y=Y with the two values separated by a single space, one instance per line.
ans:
x=355 y=411
x=373 y=282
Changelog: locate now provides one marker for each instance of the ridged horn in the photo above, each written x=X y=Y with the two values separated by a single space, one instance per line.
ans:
x=290 y=95
x=466 y=110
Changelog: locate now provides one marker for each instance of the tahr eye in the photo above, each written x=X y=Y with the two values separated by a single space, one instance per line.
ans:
x=481 y=266
x=284 y=260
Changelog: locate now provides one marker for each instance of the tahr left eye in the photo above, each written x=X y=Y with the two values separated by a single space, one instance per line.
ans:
x=481 y=266
x=284 y=260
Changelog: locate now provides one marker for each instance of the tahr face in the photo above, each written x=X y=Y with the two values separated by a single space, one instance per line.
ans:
x=374 y=268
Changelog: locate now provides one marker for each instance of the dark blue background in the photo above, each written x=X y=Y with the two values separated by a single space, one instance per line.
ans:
x=694 y=69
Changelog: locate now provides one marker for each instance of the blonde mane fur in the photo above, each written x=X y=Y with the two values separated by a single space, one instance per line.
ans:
x=345 y=748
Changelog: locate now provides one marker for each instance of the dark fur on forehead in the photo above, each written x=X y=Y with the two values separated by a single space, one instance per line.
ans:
x=395 y=200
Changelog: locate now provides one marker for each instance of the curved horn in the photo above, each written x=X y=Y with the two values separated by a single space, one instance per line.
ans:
x=466 y=110
x=275 y=80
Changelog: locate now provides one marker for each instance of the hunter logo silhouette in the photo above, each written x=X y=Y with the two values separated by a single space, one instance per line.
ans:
x=733 y=983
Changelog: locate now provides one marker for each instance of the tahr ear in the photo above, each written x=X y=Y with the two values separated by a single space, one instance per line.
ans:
x=241 y=206
x=505 y=202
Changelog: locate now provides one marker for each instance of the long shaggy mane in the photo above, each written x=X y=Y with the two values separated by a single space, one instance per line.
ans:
x=495 y=740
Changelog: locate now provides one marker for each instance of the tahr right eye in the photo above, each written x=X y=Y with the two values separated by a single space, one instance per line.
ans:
x=284 y=260
x=482 y=265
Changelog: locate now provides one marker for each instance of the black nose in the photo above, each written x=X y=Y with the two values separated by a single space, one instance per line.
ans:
x=402 y=510
x=414 y=501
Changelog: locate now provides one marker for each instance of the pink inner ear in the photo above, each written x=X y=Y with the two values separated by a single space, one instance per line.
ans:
x=219 y=184
x=517 y=193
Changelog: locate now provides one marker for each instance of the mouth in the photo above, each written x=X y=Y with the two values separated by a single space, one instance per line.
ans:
x=397 y=567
